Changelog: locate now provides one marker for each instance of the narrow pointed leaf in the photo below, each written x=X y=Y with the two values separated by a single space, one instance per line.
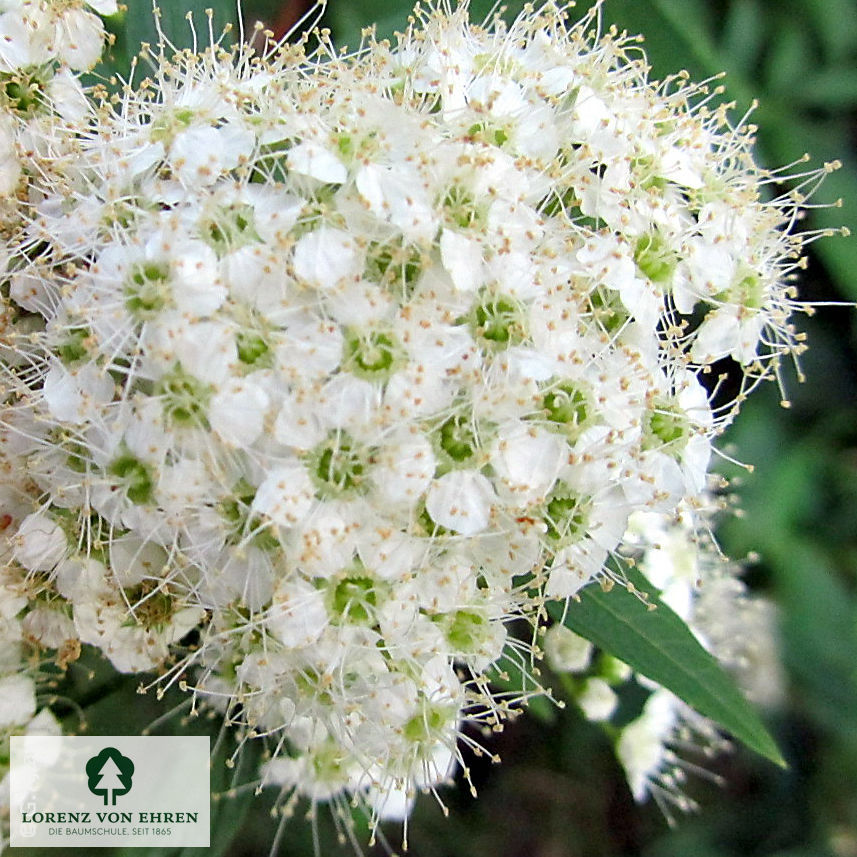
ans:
x=657 y=644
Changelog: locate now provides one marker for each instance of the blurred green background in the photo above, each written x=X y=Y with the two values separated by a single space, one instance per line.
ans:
x=559 y=791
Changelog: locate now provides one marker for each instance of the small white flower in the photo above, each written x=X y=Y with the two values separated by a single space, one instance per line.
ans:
x=314 y=160
x=567 y=651
x=597 y=699
x=461 y=501
x=238 y=412
x=39 y=543
x=286 y=495
x=297 y=615
x=326 y=258
x=17 y=700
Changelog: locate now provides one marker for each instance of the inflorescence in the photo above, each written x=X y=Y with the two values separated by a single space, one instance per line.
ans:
x=319 y=370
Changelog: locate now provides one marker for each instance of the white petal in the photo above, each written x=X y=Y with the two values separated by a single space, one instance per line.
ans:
x=75 y=396
x=312 y=348
x=39 y=543
x=80 y=579
x=103 y=7
x=527 y=460
x=297 y=615
x=286 y=495
x=238 y=413
x=79 y=38
x=348 y=402
x=311 y=159
x=397 y=195
x=461 y=500
x=207 y=351
x=326 y=257
x=196 y=285
x=404 y=468
x=299 y=425
x=462 y=258
x=17 y=700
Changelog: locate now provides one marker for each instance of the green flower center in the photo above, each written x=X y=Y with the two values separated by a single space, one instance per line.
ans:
x=230 y=228
x=566 y=516
x=185 y=398
x=395 y=266
x=462 y=209
x=339 y=466
x=498 y=321
x=165 y=128
x=457 y=438
x=356 y=148
x=466 y=631
x=354 y=599
x=747 y=291
x=135 y=477
x=666 y=425
x=655 y=258
x=23 y=90
x=373 y=355
x=645 y=169
x=147 y=290
x=74 y=348
x=567 y=405
x=253 y=349
x=482 y=132
x=426 y=727
x=607 y=310
x=235 y=511
x=328 y=763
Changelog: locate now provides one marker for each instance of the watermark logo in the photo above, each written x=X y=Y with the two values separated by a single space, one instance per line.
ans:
x=109 y=774
x=71 y=791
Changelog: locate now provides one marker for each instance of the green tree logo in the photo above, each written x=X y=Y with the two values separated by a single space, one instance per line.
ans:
x=109 y=774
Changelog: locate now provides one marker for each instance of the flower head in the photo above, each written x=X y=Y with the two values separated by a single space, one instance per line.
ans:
x=346 y=363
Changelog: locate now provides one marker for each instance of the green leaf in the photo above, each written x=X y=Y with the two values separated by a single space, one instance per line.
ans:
x=657 y=644
x=789 y=57
x=835 y=24
x=743 y=36
x=831 y=88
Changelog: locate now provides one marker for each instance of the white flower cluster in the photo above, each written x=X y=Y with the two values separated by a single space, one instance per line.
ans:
x=331 y=367
x=20 y=712
x=677 y=555
x=42 y=45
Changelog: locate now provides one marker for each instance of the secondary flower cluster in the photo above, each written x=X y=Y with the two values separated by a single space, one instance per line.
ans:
x=701 y=586
x=329 y=368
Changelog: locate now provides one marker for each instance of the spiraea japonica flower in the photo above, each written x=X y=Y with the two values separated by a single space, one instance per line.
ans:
x=343 y=364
